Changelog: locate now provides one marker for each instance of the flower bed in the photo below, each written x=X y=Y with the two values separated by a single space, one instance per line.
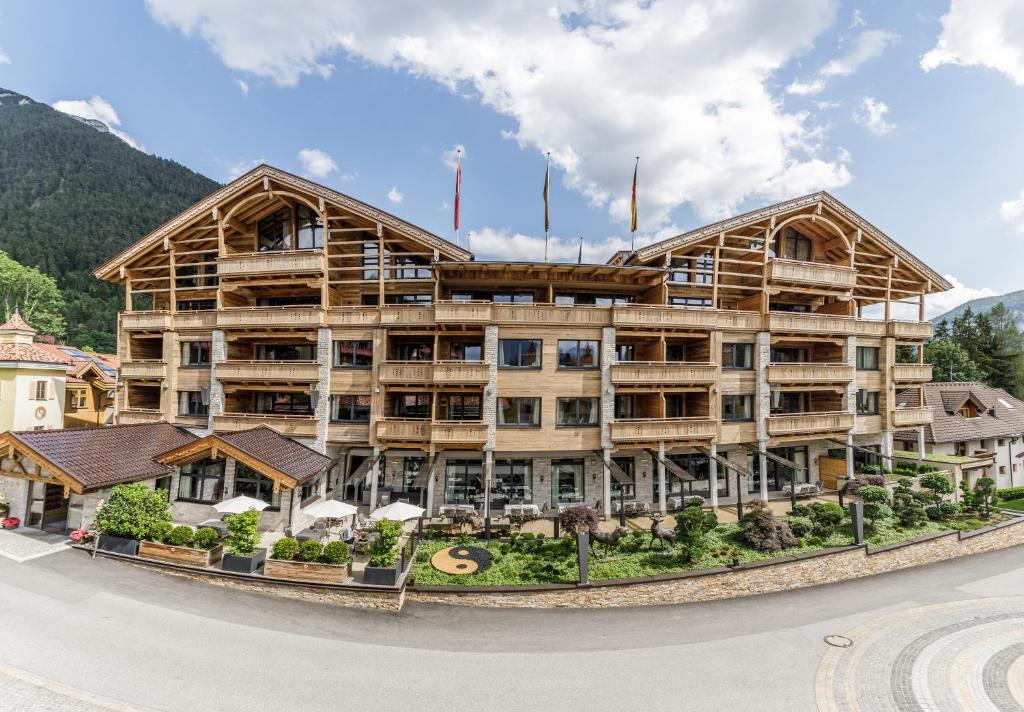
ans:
x=308 y=561
x=181 y=554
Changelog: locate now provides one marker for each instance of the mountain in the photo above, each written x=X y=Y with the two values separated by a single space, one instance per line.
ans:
x=73 y=195
x=1014 y=302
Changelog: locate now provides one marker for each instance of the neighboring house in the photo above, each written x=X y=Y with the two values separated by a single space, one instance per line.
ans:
x=91 y=380
x=32 y=380
x=972 y=420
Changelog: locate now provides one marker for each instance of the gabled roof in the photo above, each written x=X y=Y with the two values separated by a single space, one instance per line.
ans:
x=939 y=283
x=28 y=353
x=94 y=458
x=263 y=171
x=261 y=448
x=999 y=413
x=79 y=363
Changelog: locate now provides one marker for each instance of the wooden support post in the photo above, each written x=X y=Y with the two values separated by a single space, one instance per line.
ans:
x=380 y=264
x=172 y=294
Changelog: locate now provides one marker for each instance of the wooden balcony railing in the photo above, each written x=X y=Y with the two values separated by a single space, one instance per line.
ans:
x=456 y=372
x=348 y=432
x=910 y=417
x=407 y=372
x=813 y=324
x=407 y=315
x=654 y=373
x=270 y=317
x=195 y=320
x=403 y=429
x=655 y=429
x=136 y=416
x=818 y=274
x=912 y=372
x=810 y=373
x=655 y=316
x=551 y=314
x=911 y=329
x=353 y=316
x=297 y=425
x=458 y=432
x=870 y=327
x=801 y=423
x=146 y=320
x=303 y=371
x=148 y=368
x=462 y=312
x=270 y=262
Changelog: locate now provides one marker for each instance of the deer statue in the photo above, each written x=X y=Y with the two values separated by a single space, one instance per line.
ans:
x=661 y=535
x=609 y=540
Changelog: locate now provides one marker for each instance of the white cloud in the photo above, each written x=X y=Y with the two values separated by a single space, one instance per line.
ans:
x=4 y=57
x=934 y=304
x=815 y=86
x=858 y=19
x=594 y=83
x=1012 y=212
x=243 y=86
x=868 y=45
x=981 y=33
x=491 y=243
x=233 y=170
x=395 y=195
x=98 y=109
x=316 y=163
x=450 y=156
x=872 y=115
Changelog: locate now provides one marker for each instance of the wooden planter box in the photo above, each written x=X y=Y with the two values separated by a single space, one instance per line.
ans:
x=306 y=571
x=181 y=554
x=118 y=544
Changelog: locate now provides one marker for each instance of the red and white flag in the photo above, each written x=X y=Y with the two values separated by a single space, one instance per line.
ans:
x=458 y=191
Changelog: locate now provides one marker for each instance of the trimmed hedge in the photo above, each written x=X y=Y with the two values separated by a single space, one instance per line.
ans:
x=1011 y=493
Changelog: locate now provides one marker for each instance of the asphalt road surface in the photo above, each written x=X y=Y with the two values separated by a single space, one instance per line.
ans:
x=83 y=634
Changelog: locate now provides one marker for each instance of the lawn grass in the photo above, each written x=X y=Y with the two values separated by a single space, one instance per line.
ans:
x=1015 y=504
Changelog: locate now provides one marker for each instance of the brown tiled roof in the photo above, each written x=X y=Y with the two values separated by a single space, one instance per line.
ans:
x=78 y=366
x=283 y=454
x=1000 y=413
x=100 y=457
x=16 y=323
x=28 y=353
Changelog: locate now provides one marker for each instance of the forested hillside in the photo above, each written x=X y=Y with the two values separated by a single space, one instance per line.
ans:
x=72 y=196
x=1013 y=301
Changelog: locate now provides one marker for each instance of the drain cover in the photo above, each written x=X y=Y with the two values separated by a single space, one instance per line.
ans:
x=838 y=641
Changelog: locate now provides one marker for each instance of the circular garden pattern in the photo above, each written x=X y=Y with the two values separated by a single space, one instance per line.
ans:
x=965 y=655
x=459 y=560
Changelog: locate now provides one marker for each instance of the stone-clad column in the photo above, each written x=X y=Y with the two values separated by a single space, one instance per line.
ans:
x=323 y=386
x=218 y=354
x=662 y=505
x=490 y=404
x=713 y=475
x=764 y=394
x=607 y=415
x=850 y=403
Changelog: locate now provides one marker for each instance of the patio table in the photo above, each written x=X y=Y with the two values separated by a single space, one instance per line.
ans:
x=522 y=509
x=448 y=510
x=633 y=507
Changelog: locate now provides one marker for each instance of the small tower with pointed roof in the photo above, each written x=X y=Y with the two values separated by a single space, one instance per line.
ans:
x=16 y=330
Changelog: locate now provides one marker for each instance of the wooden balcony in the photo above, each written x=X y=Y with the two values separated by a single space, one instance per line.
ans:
x=810 y=373
x=814 y=324
x=663 y=373
x=462 y=312
x=458 y=372
x=195 y=320
x=656 y=316
x=458 y=432
x=270 y=262
x=871 y=327
x=638 y=430
x=348 y=432
x=279 y=371
x=407 y=315
x=352 y=316
x=270 y=317
x=403 y=430
x=136 y=416
x=817 y=274
x=149 y=369
x=407 y=372
x=303 y=426
x=809 y=423
x=146 y=320
x=912 y=372
x=911 y=417
x=915 y=330
x=551 y=314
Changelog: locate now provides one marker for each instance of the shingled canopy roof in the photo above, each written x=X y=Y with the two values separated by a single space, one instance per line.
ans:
x=262 y=448
x=87 y=459
x=999 y=413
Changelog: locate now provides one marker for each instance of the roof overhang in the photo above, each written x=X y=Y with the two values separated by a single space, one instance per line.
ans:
x=214 y=446
x=12 y=448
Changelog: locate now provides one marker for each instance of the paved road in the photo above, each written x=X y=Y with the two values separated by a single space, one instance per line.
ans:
x=79 y=634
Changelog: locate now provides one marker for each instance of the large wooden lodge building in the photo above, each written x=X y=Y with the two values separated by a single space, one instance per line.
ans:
x=729 y=358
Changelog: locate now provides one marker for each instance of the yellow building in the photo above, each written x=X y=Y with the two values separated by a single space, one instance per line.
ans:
x=32 y=380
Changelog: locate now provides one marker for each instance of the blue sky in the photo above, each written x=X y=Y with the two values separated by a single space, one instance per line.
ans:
x=907 y=111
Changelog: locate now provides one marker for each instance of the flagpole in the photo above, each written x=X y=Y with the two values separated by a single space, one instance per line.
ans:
x=632 y=224
x=458 y=193
x=547 y=198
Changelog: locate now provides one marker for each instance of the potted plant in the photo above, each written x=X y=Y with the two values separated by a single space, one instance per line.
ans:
x=243 y=554
x=382 y=569
x=308 y=561
x=130 y=514
x=10 y=523
x=182 y=545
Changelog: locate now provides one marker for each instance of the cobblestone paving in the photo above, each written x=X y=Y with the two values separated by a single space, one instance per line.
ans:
x=949 y=657
x=25 y=544
x=25 y=693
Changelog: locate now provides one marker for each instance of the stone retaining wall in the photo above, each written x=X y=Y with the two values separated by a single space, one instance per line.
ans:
x=813 y=569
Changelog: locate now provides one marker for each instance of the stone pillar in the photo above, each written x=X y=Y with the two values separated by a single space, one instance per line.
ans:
x=713 y=476
x=850 y=399
x=488 y=483
x=920 y=443
x=762 y=464
x=230 y=466
x=661 y=477
x=16 y=493
x=764 y=393
x=849 y=456
x=606 y=498
x=886 y=448
x=607 y=389
x=218 y=354
x=374 y=477
x=323 y=387
x=490 y=402
x=168 y=387
x=430 y=485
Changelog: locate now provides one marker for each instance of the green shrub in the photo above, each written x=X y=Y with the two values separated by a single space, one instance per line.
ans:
x=1011 y=493
x=985 y=495
x=159 y=531
x=181 y=536
x=336 y=553
x=854 y=484
x=243 y=534
x=465 y=539
x=383 y=551
x=800 y=526
x=309 y=550
x=285 y=549
x=968 y=524
x=911 y=514
x=826 y=517
x=876 y=503
x=800 y=510
x=763 y=531
x=692 y=525
x=933 y=512
x=937 y=485
x=206 y=538
x=132 y=511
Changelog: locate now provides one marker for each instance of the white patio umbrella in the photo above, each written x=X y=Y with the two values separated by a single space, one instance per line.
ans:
x=237 y=505
x=397 y=511
x=330 y=509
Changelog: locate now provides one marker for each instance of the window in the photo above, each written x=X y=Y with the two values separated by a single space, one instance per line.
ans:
x=513 y=479
x=567 y=484
x=76 y=400
x=310 y=231
x=601 y=300
x=460 y=351
x=675 y=352
x=163 y=484
x=790 y=308
x=350 y=409
x=409 y=268
x=408 y=299
x=310 y=490
x=286 y=352
x=789 y=402
x=577 y=411
x=867 y=358
x=519 y=412
x=371 y=260
x=696 y=270
x=867 y=402
x=284 y=403
x=293 y=300
x=195 y=353
x=456 y=406
x=412 y=351
x=779 y=355
x=196 y=304
x=698 y=467
x=202 y=481
x=463 y=481
x=274 y=232
x=575 y=353
x=517 y=298
x=625 y=352
x=190 y=403
x=519 y=353
x=353 y=354
x=738 y=356
x=689 y=302
x=250 y=483
x=794 y=246
x=737 y=408
x=628 y=467
x=411 y=405
x=624 y=407
x=40 y=390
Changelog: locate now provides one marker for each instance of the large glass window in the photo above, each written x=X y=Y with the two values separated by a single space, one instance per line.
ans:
x=575 y=353
x=794 y=246
x=284 y=403
x=513 y=479
x=567 y=484
x=867 y=402
x=463 y=481
x=410 y=268
x=274 y=232
x=411 y=405
x=413 y=350
x=350 y=409
x=689 y=301
x=789 y=402
x=196 y=305
x=519 y=412
x=699 y=468
x=250 y=483
x=458 y=406
x=463 y=351
x=353 y=354
x=371 y=260
x=779 y=475
x=695 y=270
x=202 y=481
x=310 y=228
x=737 y=408
x=738 y=356
x=788 y=355
x=625 y=353
x=519 y=353
x=577 y=411
x=517 y=298
x=286 y=352
x=867 y=358
x=195 y=353
x=191 y=403
x=628 y=488
x=624 y=407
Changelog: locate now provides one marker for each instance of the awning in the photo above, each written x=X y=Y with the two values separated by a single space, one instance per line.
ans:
x=727 y=463
x=672 y=467
x=775 y=458
x=858 y=448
